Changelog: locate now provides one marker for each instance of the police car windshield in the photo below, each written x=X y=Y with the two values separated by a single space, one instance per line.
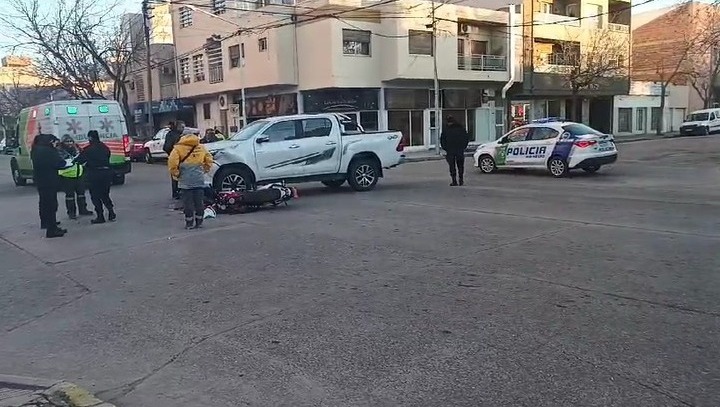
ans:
x=248 y=131
x=579 y=129
x=698 y=117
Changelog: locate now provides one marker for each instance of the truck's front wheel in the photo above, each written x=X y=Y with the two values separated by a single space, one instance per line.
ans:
x=234 y=179
x=17 y=178
x=363 y=174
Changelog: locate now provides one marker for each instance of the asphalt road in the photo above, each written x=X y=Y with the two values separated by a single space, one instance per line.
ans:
x=515 y=290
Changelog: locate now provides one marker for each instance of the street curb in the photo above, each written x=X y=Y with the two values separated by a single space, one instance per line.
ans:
x=470 y=153
x=50 y=393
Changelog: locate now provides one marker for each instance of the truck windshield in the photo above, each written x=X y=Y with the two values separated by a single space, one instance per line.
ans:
x=248 y=131
x=697 y=117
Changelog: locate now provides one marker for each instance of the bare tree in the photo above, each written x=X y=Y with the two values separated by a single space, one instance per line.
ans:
x=80 y=46
x=702 y=69
x=589 y=62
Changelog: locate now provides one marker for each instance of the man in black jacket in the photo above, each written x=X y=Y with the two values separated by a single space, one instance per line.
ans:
x=46 y=163
x=96 y=158
x=171 y=138
x=454 y=140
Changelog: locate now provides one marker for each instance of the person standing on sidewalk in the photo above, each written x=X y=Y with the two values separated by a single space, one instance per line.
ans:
x=96 y=158
x=171 y=138
x=46 y=162
x=188 y=162
x=454 y=140
x=71 y=179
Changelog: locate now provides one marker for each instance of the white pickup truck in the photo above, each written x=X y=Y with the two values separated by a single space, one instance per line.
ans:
x=329 y=148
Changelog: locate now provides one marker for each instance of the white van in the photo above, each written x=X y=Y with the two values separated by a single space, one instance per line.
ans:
x=701 y=122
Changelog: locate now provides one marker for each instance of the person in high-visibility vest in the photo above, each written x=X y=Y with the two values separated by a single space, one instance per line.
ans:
x=72 y=180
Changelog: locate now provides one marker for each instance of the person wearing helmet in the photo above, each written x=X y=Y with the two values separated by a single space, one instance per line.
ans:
x=71 y=179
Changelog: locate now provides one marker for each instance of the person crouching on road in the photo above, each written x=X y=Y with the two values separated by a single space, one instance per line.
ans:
x=96 y=158
x=46 y=162
x=454 y=140
x=71 y=179
x=188 y=163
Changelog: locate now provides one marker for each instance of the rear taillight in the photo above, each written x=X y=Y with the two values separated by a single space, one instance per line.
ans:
x=585 y=143
x=126 y=144
x=401 y=146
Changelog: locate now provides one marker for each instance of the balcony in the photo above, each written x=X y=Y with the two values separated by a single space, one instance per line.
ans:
x=216 y=74
x=168 y=91
x=548 y=18
x=558 y=59
x=494 y=63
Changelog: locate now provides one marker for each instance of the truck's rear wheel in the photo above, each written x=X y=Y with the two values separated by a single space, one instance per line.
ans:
x=363 y=174
x=17 y=177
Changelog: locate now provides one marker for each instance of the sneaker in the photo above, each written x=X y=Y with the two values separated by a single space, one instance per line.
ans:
x=189 y=224
x=198 y=223
x=112 y=216
x=97 y=221
x=53 y=233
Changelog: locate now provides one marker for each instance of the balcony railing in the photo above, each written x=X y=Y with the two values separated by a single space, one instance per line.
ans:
x=168 y=91
x=496 y=63
x=547 y=18
x=619 y=27
x=216 y=74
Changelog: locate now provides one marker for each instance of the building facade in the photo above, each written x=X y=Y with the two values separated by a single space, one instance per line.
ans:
x=565 y=42
x=373 y=62
x=639 y=111
x=165 y=105
x=672 y=46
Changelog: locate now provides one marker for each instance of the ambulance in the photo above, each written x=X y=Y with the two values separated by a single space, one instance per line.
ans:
x=74 y=118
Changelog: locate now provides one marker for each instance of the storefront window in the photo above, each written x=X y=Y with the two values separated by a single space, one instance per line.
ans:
x=410 y=124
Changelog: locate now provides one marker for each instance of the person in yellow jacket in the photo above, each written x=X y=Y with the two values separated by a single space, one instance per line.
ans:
x=188 y=163
x=72 y=180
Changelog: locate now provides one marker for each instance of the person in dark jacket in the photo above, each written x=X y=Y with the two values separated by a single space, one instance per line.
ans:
x=171 y=138
x=72 y=180
x=454 y=140
x=46 y=162
x=96 y=158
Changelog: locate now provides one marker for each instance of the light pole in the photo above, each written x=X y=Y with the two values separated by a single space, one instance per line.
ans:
x=436 y=81
x=242 y=57
x=148 y=67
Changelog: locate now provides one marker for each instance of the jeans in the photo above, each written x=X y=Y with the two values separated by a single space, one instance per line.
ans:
x=193 y=203
x=456 y=162
x=48 y=206
x=99 y=183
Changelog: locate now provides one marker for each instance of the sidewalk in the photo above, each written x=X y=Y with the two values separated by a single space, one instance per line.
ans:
x=419 y=156
x=17 y=391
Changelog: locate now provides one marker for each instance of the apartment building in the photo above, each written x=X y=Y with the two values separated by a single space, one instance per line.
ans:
x=670 y=45
x=370 y=60
x=165 y=105
x=581 y=44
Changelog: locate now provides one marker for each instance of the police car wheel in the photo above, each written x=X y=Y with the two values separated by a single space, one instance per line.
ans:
x=557 y=167
x=148 y=156
x=486 y=164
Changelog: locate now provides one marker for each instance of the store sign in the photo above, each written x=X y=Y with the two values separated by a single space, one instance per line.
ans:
x=273 y=105
x=340 y=100
x=165 y=106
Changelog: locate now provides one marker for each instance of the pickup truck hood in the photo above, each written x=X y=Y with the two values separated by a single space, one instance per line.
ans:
x=222 y=145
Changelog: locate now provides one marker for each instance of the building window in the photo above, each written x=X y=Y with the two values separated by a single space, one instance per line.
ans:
x=641 y=118
x=234 y=52
x=654 y=118
x=262 y=44
x=185 y=70
x=186 y=17
x=206 y=111
x=625 y=120
x=218 y=7
x=420 y=42
x=198 y=62
x=215 y=63
x=356 y=42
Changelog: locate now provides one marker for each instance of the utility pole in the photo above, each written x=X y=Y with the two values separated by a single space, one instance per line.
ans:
x=436 y=82
x=148 y=66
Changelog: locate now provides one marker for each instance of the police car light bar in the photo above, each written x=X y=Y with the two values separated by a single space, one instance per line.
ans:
x=549 y=120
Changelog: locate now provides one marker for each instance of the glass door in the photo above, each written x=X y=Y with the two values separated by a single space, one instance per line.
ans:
x=430 y=126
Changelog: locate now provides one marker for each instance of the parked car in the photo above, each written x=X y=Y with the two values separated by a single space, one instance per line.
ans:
x=701 y=122
x=153 y=149
x=554 y=144
x=329 y=148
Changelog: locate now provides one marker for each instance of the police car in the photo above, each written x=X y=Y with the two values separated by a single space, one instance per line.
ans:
x=555 y=144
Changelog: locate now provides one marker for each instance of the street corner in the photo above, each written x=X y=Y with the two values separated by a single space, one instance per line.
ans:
x=18 y=391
